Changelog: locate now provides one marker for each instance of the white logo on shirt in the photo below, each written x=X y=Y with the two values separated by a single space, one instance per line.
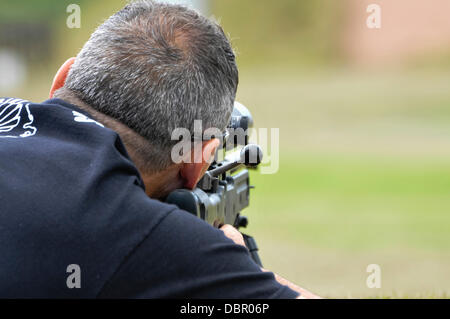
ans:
x=84 y=119
x=16 y=119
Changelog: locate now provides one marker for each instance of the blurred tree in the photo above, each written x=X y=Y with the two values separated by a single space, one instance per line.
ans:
x=31 y=10
x=29 y=27
x=281 y=32
x=276 y=32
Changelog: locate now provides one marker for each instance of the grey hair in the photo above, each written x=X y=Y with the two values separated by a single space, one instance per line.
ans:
x=156 y=67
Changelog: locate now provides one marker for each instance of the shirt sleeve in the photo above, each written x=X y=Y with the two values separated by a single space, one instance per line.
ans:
x=184 y=257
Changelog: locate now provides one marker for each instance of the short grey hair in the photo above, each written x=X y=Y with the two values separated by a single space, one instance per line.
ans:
x=156 y=67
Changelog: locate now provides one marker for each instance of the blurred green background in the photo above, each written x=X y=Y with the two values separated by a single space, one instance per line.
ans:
x=364 y=119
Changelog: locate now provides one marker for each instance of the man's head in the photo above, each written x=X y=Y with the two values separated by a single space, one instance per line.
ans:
x=156 y=67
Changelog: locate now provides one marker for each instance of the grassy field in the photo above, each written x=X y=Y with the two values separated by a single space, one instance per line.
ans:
x=364 y=179
x=364 y=174
x=322 y=220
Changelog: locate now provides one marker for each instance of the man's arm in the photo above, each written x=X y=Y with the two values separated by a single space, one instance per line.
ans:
x=304 y=294
x=184 y=257
x=236 y=236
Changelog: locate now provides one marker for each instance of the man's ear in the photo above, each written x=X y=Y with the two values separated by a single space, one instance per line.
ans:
x=61 y=75
x=194 y=171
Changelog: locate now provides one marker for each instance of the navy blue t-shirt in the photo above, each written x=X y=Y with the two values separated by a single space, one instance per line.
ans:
x=70 y=196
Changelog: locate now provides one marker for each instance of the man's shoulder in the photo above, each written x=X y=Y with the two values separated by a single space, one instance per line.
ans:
x=21 y=119
x=58 y=147
x=184 y=257
x=95 y=230
x=70 y=196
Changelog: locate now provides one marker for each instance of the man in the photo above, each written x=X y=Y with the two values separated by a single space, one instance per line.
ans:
x=81 y=173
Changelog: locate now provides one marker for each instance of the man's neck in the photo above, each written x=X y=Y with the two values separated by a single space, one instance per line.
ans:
x=70 y=97
x=157 y=184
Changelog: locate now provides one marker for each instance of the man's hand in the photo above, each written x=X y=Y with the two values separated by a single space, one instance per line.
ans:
x=233 y=234
x=237 y=237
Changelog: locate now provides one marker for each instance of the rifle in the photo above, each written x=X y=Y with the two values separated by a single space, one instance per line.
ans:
x=224 y=191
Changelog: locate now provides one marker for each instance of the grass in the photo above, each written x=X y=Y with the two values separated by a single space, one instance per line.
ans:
x=364 y=172
x=321 y=220
x=364 y=178
x=324 y=196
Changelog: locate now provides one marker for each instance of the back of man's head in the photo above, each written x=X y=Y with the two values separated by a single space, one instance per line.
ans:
x=155 y=67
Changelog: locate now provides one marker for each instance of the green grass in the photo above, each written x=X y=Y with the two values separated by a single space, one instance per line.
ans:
x=364 y=178
x=364 y=172
x=375 y=203
x=322 y=219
